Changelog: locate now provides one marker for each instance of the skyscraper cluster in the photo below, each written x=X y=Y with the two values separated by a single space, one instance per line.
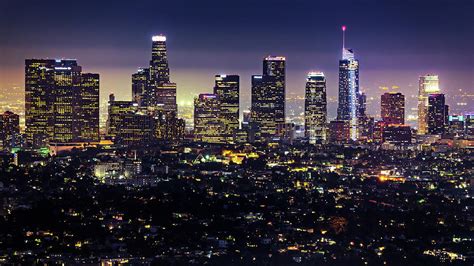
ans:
x=62 y=103
x=62 y=106
x=152 y=113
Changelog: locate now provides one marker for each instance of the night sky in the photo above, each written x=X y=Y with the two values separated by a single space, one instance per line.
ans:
x=395 y=40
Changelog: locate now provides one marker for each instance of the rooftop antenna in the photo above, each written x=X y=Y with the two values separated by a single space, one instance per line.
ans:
x=343 y=37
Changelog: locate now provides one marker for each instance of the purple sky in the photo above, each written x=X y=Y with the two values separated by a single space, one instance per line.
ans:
x=395 y=40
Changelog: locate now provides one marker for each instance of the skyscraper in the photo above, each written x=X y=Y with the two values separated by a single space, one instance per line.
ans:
x=159 y=69
x=159 y=93
x=268 y=96
x=61 y=103
x=392 y=108
x=127 y=124
x=9 y=130
x=89 y=107
x=437 y=114
x=227 y=89
x=315 y=109
x=348 y=107
x=116 y=110
x=207 y=123
x=39 y=88
x=339 y=131
x=428 y=84
x=139 y=84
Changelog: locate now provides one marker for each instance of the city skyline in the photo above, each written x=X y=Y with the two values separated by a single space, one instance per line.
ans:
x=385 y=60
x=272 y=132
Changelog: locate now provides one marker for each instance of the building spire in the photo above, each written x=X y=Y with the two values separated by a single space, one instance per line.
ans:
x=343 y=38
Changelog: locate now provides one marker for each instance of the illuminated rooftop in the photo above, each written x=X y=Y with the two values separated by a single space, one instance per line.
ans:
x=159 y=38
x=275 y=58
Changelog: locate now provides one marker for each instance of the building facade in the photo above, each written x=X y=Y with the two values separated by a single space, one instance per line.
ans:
x=226 y=87
x=207 y=123
x=268 y=97
x=437 y=114
x=9 y=130
x=139 y=85
x=348 y=105
x=315 y=109
x=392 y=108
x=428 y=84
x=61 y=102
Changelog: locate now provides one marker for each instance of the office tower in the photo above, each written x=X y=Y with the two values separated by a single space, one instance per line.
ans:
x=9 y=130
x=66 y=102
x=286 y=132
x=348 y=108
x=207 y=123
x=159 y=69
x=246 y=119
x=227 y=89
x=469 y=124
x=127 y=124
x=166 y=97
x=456 y=125
x=136 y=129
x=55 y=91
x=339 y=131
x=168 y=127
x=89 y=107
x=39 y=88
x=160 y=93
x=315 y=108
x=268 y=96
x=392 y=108
x=396 y=134
x=377 y=136
x=116 y=110
x=139 y=85
x=428 y=84
x=437 y=113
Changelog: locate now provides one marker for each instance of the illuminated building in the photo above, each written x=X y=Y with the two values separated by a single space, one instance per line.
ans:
x=9 y=130
x=116 y=110
x=268 y=96
x=247 y=118
x=207 y=123
x=396 y=134
x=67 y=79
x=428 y=84
x=456 y=125
x=227 y=89
x=136 y=129
x=39 y=87
x=348 y=107
x=469 y=124
x=139 y=84
x=315 y=109
x=377 y=136
x=392 y=108
x=366 y=126
x=159 y=69
x=61 y=102
x=437 y=114
x=89 y=107
x=286 y=131
x=339 y=131
x=127 y=124
x=169 y=127
x=159 y=93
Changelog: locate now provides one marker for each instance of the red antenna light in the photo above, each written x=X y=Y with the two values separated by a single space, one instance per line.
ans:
x=343 y=28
